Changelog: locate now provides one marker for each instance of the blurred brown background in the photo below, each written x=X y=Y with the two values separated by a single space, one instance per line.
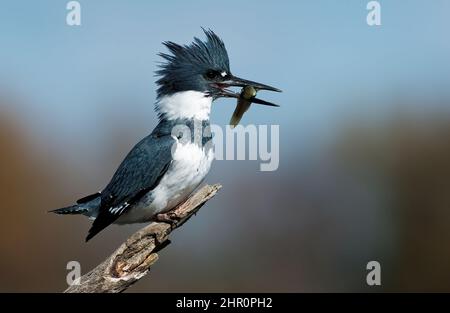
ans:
x=378 y=193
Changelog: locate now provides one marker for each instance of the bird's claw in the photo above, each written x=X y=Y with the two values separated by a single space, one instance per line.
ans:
x=168 y=218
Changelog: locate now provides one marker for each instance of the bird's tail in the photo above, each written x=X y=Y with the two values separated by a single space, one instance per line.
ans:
x=73 y=209
x=87 y=206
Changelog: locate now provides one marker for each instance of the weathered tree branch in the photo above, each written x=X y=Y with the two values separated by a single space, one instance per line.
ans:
x=133 y=259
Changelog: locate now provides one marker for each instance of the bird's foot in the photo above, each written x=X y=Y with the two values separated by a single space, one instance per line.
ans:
x=168 y=218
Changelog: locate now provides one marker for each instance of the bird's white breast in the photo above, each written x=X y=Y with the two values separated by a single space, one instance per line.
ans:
x=189 y=167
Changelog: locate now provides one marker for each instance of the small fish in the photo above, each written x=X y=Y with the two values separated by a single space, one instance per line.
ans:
x=245 y=99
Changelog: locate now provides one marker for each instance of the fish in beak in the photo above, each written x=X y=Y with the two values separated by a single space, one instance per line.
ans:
x=247 y=93
x=246 y=97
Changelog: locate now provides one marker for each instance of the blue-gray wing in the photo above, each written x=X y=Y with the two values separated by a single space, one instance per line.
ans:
x=139 y=172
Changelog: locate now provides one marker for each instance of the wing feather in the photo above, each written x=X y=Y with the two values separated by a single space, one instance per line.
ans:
x=139 y=173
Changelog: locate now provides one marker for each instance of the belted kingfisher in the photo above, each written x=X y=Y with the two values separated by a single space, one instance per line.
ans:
x=162 y=170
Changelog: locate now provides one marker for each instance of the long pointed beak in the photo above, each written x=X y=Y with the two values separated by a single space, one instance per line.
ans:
x=234 y=81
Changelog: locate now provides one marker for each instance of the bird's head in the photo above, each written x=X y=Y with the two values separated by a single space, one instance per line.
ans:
x=202 y=67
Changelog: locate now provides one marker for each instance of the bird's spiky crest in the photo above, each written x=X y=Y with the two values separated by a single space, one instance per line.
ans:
x=186 y=61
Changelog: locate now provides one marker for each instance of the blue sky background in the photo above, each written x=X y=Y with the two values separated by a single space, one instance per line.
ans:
x=321 y=53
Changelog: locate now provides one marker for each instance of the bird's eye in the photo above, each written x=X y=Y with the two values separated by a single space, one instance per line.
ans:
x=211 y=74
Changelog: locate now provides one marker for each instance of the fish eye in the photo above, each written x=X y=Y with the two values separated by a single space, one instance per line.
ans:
x=212 y=74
